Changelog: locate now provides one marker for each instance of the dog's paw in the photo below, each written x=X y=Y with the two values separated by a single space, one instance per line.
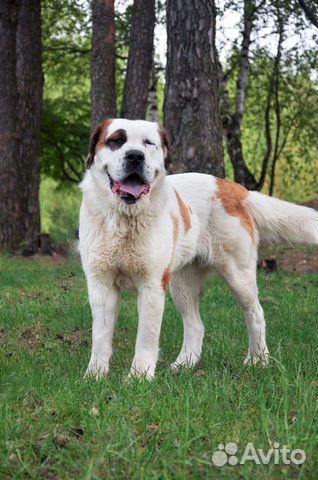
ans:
x=97 y=369
x=141 y=370
x=185 y=360
x=254 y=358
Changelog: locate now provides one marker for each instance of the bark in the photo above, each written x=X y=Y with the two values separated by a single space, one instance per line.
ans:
x=139 y=60
x=103 y=62
x=153 y=114
x=30 y=87
x=20 y=113
x=191 y=109
x=311 y=14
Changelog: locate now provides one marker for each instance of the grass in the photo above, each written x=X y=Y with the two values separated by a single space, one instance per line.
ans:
x=55 y=425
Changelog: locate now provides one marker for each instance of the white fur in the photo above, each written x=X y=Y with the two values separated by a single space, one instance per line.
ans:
x=132 y=246
x=278 y=221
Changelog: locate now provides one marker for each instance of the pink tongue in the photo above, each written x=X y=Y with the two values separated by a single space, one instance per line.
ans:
x=133 y=188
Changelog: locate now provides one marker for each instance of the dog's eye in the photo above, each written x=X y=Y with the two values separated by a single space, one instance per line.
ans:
x=148 y=142
x=115 y=141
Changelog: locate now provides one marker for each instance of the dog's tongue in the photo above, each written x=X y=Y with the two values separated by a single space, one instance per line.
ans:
x=131 y=187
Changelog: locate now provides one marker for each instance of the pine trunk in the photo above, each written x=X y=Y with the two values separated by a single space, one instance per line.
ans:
x=103 y=62
x=20 y=113
x=139 y=60
x=192 y=115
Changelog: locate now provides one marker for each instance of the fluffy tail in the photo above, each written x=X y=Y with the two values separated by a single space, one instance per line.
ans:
x=280 y=222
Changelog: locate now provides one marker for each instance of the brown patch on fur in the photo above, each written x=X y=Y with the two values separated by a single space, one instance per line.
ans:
x=165 y=145
x=116 y=139
x=175 y=222
x=167 y=274
x=166 y=278
x=233 y=196
x=102 y=135
x=184 y=211
x=97 y=141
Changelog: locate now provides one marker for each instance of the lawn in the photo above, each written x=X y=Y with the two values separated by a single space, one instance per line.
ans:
x=56 y=425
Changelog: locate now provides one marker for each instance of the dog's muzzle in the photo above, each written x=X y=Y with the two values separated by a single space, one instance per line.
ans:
x=133 y=185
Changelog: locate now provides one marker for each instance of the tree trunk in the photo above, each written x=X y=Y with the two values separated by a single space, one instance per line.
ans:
x=20 y=112
x=191 y=109
x=103 y=62
x=310 y=10
x=139 y=60
x=232 y=122
x=153 y=114
x=30 y=88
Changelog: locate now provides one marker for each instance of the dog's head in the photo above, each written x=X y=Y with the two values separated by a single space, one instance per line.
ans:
x=128 y=157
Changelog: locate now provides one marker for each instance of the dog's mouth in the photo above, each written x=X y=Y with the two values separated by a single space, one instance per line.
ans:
x=130 y=189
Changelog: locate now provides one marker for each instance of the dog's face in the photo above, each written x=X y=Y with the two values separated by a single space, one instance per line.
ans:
x=128 y=157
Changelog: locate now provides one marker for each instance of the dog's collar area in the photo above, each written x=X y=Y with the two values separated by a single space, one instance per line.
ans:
x=130 y=188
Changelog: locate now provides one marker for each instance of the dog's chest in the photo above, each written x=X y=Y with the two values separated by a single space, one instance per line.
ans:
x=124 y=255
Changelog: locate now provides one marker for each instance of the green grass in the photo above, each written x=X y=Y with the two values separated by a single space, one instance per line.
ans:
x=167 y=429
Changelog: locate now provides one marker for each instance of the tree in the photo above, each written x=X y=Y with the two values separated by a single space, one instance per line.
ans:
x=272 y=70
x=20 y=113
x=232 y=118
x=191 y=107
x=139 y=60
x=310 y=10
x=103 y=61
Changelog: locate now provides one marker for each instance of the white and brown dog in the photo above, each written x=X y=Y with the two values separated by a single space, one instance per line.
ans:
x=143 y=230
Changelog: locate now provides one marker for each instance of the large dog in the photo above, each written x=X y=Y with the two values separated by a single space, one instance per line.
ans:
x=143 y=230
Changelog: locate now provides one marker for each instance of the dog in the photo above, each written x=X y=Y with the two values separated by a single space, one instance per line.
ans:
x=144 y=230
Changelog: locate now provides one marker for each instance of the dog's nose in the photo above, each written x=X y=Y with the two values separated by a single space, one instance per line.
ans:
x=135 y=157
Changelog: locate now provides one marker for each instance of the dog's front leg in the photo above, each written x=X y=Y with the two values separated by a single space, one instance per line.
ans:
x=150 y=311
x=104 y=302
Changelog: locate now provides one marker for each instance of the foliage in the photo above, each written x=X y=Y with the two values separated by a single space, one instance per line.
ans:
x=294 y=90
x=66 y=111
x=59 y=210
x=56 y=425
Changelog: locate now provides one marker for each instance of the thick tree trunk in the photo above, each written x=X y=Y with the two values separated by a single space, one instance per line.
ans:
x=30 y=87
x=191 y=110
x=139 y=60
x=103 y=62
x=20 y=112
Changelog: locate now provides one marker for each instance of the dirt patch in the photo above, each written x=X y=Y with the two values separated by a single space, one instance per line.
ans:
x=76 y=338
x=298 y=262
x=289 y=259
x=2 y=333
x=30 y=337
x=53 y=260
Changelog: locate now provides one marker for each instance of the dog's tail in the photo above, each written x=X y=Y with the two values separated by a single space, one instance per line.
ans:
x=278 y=221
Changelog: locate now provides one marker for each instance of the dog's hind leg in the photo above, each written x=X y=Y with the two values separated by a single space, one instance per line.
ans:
x=242 y=281
x=185 y=291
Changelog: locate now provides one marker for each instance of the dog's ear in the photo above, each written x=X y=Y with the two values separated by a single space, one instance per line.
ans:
x=92 y=146
x=165 y=143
